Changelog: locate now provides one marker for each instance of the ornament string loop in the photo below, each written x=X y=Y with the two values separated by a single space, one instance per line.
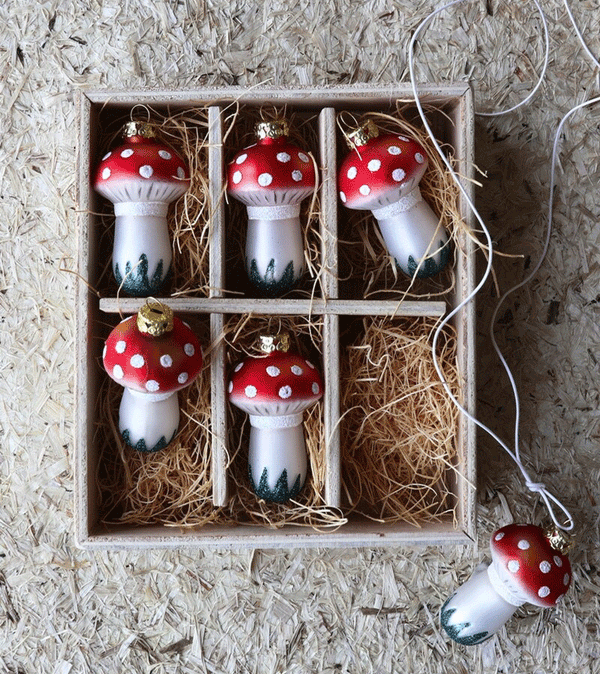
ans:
x=550 y=501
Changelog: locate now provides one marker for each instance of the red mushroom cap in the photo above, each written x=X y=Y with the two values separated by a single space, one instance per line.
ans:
x=152 y=364
x=142 y=169
x=380 y=172
x=278 y=384
x=272 y=172
x=529 y=565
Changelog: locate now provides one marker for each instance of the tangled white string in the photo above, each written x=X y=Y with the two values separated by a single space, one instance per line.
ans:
x=548 y=498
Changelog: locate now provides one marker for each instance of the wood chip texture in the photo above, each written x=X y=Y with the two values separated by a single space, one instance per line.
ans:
x=367 y=611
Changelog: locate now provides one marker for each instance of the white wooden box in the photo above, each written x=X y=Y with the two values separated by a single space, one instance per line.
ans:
x=454 y=127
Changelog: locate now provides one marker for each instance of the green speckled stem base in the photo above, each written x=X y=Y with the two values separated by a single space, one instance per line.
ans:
x=281 y=493
x=140 y=445
x=454 y=631
x=267 y=285
x=430 y=266
x=137 y=284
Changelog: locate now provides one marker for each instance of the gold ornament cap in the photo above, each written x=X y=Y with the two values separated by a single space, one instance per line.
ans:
x=270 y=343
x=362 y=135
x=155 y=318
x=142 y=129
x=274 y=129
x=559 y=540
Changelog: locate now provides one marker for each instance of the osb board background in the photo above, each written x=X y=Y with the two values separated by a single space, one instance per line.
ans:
x=352 y=611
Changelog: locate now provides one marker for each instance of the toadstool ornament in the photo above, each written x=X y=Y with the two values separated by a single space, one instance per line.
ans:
x=142 y=177
x=153 y=355
x=528 y=565
x=382 y=174
x=272 y=177
x=274 y=390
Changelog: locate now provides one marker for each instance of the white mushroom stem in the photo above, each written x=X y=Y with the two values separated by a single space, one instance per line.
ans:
x=274 y=234
x=149 y=417
x=277 y=443
x=479 y=607
x=141 y=228
x=410 y=228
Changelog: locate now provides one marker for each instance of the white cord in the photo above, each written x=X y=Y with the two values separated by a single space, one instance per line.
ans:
x=580 y=36
x=548 y=498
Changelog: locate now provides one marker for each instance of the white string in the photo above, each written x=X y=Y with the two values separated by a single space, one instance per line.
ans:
x=580 y=36
x=549 y=499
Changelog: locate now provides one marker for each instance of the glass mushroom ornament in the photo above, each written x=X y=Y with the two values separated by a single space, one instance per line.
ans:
x=272 y=178
x=529 y=565
x=275 y=389
x=382 y=174
x=142 y=177
x=153 y=355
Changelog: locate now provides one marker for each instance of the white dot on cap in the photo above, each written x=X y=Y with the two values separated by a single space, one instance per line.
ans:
x=238 y=367
x=152 y=385
x=544 y=591
x=250 y=391
x=182 y=377
x=523 y=545
x=180 y=172
x=557 y=560
x=312 y=367
x=545 y=567
x=404 y=139
x=237 y=177
x=230 y=387
x=566 y=579
x=189 y=349
x=241 y=159
x=127 y=153
x=513 y=566
x=297 y=176
x=118 y=372
x=365 y=190
x=163 y=154
x=265 y=179
x=146 y=171
x=398 y=175
x=273 y=371
x=283 y=157
x=166 y=360
x=419 y=157
x=137 y=361
x=394 y=149
x=106 y=156
x=315 y=388
x=120 y=346
x=352 y=172
x=303 y=157
x=374 y=165
x=297 y=370
x=106 y=173
x=499 y=536
x=285 y=391
x=343 y=197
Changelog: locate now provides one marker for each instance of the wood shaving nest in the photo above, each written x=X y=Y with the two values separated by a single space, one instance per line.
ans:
x=399 y=427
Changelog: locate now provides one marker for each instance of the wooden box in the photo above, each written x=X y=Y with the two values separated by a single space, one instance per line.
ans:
x=454 y=126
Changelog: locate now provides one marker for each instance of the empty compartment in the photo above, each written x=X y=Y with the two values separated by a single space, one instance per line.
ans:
x=399 y=434
x=265 y=275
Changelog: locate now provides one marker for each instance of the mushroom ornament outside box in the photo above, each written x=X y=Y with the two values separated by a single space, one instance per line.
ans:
x=382 y=174
x=529 y=565
x=272 y=178
x=275 y=389
x=142 y=177
x=153 y=355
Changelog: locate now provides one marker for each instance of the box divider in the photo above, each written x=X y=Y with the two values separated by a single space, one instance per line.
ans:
x=328 y=223
x=218 y=401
